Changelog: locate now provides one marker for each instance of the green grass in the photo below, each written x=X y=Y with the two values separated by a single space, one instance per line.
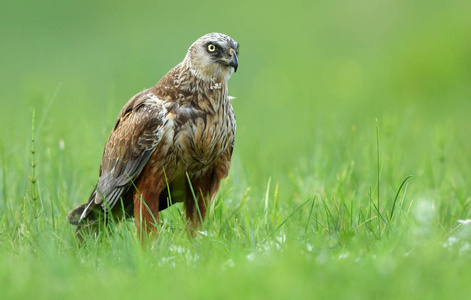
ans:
x=351 y=167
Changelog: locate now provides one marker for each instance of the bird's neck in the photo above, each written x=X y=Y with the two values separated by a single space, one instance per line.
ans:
x=210 y=76
x=183 y=85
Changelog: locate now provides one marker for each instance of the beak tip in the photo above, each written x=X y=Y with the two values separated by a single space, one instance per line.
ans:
x=234 y=62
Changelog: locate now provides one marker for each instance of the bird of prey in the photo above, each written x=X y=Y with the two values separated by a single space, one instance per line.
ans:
x=171 y=143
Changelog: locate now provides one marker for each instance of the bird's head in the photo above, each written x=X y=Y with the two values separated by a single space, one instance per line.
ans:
x=213 y=57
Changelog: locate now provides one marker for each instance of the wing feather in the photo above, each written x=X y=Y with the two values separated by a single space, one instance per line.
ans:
x=133 y=140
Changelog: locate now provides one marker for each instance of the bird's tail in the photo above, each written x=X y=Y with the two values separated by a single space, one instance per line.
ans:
x=83 y=212
x=86 y=217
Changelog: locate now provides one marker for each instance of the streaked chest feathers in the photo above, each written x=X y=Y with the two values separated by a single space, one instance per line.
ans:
x=196 y=133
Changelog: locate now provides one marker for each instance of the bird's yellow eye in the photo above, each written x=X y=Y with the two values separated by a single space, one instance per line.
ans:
x=211 y=48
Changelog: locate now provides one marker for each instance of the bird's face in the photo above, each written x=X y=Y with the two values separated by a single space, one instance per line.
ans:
x=213 y=57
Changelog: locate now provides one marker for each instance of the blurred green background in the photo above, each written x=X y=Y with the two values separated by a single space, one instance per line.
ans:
x=315 y=80
x=308 y=69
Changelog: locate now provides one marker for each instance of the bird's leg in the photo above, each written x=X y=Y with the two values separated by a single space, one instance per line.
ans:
x=199 y=196
x=196 y=202
x=146 y=206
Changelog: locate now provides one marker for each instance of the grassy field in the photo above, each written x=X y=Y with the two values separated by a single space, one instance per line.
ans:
x=351 y=171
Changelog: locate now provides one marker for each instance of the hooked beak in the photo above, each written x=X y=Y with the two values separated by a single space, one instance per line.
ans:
x=233 y=61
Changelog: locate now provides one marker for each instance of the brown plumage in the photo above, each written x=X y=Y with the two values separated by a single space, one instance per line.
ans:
x=183 y=127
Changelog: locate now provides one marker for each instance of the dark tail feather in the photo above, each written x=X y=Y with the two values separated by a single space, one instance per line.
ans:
x=85 y=213
x=89 y=217
x=76 y=213
x=85 y=217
